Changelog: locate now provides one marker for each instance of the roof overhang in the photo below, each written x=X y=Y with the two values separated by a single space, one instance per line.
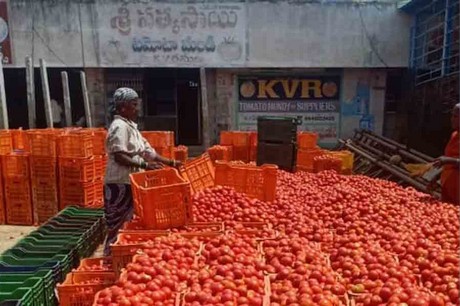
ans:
x=410 y=6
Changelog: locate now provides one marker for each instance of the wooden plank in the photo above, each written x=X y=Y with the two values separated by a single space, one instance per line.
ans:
x=3 y=105
x=204 y=108
x=31 y=105
x=66 y=92
x=89 y=121
x=46 y=94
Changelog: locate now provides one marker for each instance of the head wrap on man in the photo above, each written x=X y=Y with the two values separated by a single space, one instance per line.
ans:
x=124 y=94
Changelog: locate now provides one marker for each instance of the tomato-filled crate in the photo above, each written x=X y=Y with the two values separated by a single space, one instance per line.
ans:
x=256 y=182
x=127 y=245
x=80 y=288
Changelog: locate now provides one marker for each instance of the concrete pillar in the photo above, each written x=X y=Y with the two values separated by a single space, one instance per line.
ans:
x=95 y=81
x=225 y=100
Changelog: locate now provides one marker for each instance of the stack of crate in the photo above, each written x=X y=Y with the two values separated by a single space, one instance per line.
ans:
x=42 y=146
x=99 y=136
x=240 y=142
x=307 y=150
x=20 y=140
x=80 y=172
x=6 y=147
x=18 y=200
x=161 y=141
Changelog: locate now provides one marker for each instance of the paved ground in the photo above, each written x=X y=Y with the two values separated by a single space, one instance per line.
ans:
x=11 y=234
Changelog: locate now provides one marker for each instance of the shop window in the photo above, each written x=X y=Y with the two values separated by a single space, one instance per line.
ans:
x=435 y=40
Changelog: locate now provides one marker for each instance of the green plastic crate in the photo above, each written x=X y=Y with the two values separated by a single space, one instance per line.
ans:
x=84 y=247
x=84 y=234
x=45 y=275
x=35 y=284
x=90 y=228
x=66 y=219
x=64 y=263
x=23 y=295
x=22 y=253
x=55 y=236
x=95 y=226
x=80 y=211
x=30 y=243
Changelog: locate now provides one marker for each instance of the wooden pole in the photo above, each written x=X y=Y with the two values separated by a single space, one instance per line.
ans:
x=204 y=108
x=32 y=110
x=67 y=105
x=89 y=121
x=46 y=94
x=3 y=106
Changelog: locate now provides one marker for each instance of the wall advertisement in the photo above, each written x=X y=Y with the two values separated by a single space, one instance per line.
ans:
x=313 y=100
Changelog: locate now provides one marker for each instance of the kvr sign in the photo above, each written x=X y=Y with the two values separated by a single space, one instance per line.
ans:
x=313 y=99
x=286 y=89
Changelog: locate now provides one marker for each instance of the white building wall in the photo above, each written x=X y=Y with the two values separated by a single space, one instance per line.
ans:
x=259 y=33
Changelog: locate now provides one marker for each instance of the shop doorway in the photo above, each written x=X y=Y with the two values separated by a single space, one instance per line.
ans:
x=170 y=99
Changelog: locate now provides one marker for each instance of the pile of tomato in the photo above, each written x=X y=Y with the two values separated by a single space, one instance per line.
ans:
x=330 y=238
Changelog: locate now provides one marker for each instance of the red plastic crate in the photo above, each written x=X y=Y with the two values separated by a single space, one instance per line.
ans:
x=102 y=264
x=75 y=144
x=327 y=162
x=122 y=252
x=16 y=165
x=20 y=140
x=79 y=169
x=99 y=137
x=2 y=202
x=43 y=167
x=159 y=139
x=235 y=138
x=199 y=172
x=241 y=153
x=18 y=202
x=256 y=182
x=181 y=153
x=224 y=153
x=226 y=138
x=77 y=289
x=43 y=142
x=253 y=153
x=167 y=152
x=98 y=194
x=76 y=193
x=6 y=142
x=307 y=140
x=252 y=146
x=2 y=206
x=45 y=199
x=305 y=158
x=2 y=212
x=162 y=198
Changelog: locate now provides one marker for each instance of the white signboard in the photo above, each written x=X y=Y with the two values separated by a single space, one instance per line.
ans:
x=149 y=33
